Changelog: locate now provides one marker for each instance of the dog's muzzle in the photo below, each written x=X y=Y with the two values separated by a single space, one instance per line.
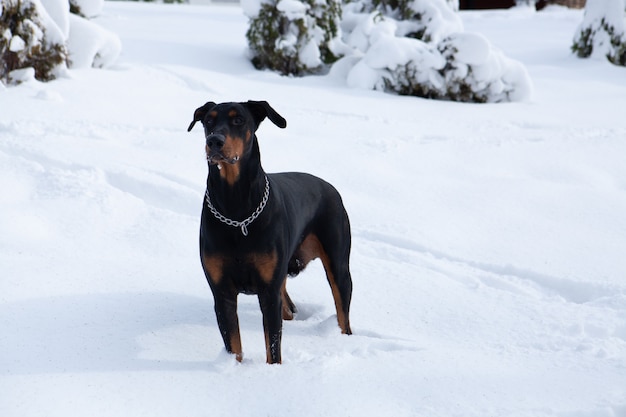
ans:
x=214 y=145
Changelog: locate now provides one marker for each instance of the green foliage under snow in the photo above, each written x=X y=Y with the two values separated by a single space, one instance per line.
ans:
x=602 y=32
x=294 y=37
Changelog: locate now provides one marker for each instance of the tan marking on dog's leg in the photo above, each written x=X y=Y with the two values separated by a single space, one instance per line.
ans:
x=311 y=248
x=341 y=317
x=214 y=266
x=288 y=306
x=235 y=346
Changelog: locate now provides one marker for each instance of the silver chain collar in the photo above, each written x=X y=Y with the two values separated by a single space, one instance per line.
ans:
x=244 y=223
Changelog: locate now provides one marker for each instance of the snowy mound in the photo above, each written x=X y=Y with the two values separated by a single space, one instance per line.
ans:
x=90 y=45
x=87 y=8
x=426 y=55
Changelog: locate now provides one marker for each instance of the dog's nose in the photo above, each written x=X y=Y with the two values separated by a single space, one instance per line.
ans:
x=215 y=141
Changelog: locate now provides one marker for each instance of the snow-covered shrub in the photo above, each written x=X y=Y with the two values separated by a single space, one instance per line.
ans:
x=418 y=48
x=292 y=36
x=602 y=32
x=475 y=71
x=45 y=36
x=427 y=20
x=29 y=38
x=384 y=61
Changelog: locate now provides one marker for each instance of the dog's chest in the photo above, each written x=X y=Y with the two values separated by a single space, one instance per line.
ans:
x=246 y=271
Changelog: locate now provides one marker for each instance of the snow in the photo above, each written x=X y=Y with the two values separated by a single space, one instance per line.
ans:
x=293 y=9
x=52 y=20
x=89 y=8
x=309 y=55
x=251 y=8
x=438 y=18
x=473 y=48
x=90 y=45
x=488 y=240
x=22 y=75
x=17 y=44
x=59 y=11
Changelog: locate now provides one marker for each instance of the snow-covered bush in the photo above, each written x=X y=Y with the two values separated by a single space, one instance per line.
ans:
x=476 y=71
x=602 y=32
x=29 y=39
x=292 y=36
x=427 y=20
x=40 y=39
x=411 y=47
x=418 y=48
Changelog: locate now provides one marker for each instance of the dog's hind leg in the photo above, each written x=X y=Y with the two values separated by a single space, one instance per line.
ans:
x=335 y=245
x=289 y=308
x=338 y=275
x=332 y=246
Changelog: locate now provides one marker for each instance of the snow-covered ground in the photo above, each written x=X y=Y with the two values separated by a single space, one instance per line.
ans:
x=489 y=251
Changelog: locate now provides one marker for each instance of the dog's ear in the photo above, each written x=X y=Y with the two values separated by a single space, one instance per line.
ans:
x=199 y=114
x=261 y=109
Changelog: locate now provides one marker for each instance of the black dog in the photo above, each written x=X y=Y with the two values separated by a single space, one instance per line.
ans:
x=257 y=228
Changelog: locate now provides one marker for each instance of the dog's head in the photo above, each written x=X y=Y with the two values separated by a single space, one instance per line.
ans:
x=229 y=128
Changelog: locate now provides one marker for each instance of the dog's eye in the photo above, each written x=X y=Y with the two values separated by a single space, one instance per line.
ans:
x=237 y=121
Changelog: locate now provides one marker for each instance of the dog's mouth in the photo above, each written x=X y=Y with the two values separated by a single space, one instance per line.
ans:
x=217 y=158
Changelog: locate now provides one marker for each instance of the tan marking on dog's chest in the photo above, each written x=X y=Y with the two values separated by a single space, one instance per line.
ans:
x=214 y=265
x=233 y=148
x=230 y=172
x=265 y=264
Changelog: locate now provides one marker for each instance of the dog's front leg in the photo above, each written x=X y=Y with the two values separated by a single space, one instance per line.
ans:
x=228 y=322
x=271 y=307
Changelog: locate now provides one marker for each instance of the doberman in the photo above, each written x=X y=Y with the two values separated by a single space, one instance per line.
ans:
x=257 y=228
